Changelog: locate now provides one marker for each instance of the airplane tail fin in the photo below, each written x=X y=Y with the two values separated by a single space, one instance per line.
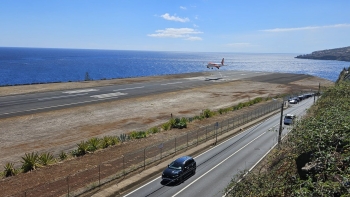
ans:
x=222 y=61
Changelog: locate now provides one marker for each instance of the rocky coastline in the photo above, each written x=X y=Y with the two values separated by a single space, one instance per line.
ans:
x=340 y=54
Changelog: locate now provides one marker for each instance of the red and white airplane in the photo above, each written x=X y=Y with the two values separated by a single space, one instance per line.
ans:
x=216 y=65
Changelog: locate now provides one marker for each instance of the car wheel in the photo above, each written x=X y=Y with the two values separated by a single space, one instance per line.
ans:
x=181 y=180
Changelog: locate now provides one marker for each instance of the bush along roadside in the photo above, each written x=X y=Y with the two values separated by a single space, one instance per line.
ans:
x=32 y=161
x=314 y=160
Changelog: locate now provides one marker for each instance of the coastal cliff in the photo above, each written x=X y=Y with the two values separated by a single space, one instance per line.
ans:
x=340 y=54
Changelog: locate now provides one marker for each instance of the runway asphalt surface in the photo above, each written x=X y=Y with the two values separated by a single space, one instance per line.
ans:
x=24 y=104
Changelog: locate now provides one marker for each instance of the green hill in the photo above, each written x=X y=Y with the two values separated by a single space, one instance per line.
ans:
x=341 y=54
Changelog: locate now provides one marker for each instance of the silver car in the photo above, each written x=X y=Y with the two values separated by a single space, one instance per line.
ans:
x=289 y=118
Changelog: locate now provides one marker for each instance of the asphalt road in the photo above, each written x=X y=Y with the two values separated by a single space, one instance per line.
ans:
x=217 y=166
x=38 y=102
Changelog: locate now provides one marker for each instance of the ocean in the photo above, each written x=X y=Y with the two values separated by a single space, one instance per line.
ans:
x=40 y=65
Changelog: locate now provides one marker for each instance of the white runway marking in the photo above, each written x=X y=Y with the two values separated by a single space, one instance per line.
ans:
x=55 y=97
x=164 y=84
x=129 y=88
x=79 y=91
x=100 y=96
x=195 y=78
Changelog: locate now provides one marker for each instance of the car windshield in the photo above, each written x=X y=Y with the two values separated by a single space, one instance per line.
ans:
x=175 y=165
x=289 y=117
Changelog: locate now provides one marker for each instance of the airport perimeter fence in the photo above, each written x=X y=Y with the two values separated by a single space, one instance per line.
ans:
x=119 y=167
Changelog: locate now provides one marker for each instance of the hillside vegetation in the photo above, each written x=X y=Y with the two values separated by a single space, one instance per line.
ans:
x=314 y=160
x=341 y=54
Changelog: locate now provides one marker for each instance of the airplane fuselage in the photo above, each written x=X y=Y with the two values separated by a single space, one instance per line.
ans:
x=216 y=65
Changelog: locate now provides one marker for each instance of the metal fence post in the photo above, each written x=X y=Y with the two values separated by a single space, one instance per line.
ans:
x=99 y=174
x=175 y=146
x=233 y=123
x=123 y=165
x=144 y=158
x=68 y=185
x=206 y=132
x=187 y=141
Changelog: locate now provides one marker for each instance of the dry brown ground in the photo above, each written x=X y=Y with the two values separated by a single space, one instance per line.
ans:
x=62 y=129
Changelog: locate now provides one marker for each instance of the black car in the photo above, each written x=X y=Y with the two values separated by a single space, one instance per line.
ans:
x=179 y=169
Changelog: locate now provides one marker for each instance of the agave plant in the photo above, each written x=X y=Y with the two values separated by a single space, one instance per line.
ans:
x=114 y=140
x=46 y=159
x=106 y=141
x=82 y=148
x=63 y=156
x=123 y=137
x=93 y=144
x=30 y=162
x=172 y=122
x=9 y=170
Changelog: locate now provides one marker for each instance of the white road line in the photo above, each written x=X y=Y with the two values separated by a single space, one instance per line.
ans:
x=129 y=88
x=164 y=84
x=218 y=164
x=80 y=91
x=100 y=96
x=257 y=162
x=55 y=97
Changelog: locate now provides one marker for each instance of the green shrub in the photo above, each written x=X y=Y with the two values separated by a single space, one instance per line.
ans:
x=9 y=170
x=93 y=144
x=62 y=155
x=114 y=140
x=138 y=134
x=83 y=148
x=30 y=162
x=46 y=159
x=166 y=126
x=207 y=113
x=172 y=123
x=105 y=142
x=153 y=130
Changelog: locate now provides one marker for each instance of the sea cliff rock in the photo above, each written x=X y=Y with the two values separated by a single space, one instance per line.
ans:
x=340 y=54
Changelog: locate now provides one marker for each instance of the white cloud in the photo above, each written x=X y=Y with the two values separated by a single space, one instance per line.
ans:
x=306 y=28
x=167 y=16
x=183 y=8
x=177 y=33
x=194 y=38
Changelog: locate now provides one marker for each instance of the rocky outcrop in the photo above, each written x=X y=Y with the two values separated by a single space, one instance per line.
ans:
x=341 y=54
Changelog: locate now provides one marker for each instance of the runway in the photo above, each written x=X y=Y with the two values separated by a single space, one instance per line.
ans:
x=25 y=104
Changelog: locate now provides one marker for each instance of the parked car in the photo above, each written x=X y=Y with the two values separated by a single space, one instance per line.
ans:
x=289 y=119
x=293 y=101
x=179 y=169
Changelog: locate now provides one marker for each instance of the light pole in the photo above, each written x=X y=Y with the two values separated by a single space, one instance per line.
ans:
x=280 y=130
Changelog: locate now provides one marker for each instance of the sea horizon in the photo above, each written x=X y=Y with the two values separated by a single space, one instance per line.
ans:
x=27 y=65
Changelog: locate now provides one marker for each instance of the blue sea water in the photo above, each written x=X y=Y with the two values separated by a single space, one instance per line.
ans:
x=40 y=65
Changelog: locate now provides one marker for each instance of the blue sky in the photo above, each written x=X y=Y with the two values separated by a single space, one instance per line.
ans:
x=254 y=26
